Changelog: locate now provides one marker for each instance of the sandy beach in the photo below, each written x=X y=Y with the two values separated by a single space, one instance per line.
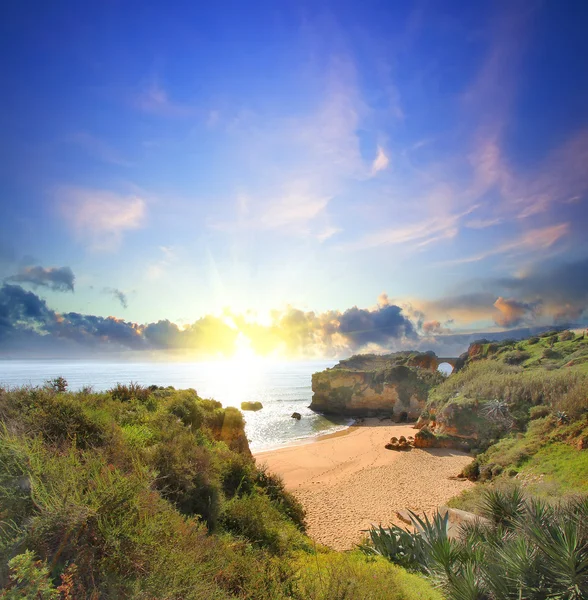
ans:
x=347 y=481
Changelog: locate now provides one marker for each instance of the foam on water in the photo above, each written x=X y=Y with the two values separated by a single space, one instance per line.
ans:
x=282 y=388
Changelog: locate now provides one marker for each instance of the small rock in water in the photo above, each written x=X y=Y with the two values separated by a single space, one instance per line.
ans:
x=296 y=416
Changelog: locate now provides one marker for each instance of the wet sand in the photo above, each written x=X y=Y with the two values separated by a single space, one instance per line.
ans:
x=348 y=481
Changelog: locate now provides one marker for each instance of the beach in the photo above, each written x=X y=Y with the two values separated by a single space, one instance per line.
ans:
x=347 y=481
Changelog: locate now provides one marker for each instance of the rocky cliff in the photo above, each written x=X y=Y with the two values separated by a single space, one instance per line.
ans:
x=371 y=385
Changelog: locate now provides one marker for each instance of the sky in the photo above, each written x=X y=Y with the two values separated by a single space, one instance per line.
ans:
x=290 y=178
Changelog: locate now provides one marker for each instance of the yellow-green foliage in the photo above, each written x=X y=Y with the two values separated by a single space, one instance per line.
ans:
x=140 y=494
x=354 y=576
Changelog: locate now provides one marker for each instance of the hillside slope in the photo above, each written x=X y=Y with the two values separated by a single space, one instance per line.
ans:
x=522 y=407
x=146 y=493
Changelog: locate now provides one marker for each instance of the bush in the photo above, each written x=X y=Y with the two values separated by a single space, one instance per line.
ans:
x=516 y=358
x=254 y=518
x=550 y=353
x=529 y=545
x=58 y=385
x=472 y=471
x=329 y=575
x=186 y=476
x=126 y=393
x=538 y=412
x=566 y=336
x=286 y=502
x=60 y=419
x=29 y=580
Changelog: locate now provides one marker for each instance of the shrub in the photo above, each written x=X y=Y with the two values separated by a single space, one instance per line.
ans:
x=550 y=353
x=532 y=341
x=538 y=412
x=472 y=471
x=516 y=358
x=29 y=579
x=566 y=336
x=530 y=549
x=187 y=477
x=256 y=519
x=238 y=475
x=58 y=385
x=327 y=575
x=126 y=393
x=286 y=502
x=60 y=419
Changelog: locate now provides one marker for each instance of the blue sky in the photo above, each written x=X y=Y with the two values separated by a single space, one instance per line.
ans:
x=259 y=158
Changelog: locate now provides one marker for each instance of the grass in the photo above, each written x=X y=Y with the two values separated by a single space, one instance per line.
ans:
x=146 y=493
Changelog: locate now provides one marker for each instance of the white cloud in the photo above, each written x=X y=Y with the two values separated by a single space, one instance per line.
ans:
x=380 y=162
x=101 y=217
x=531 y=241
x=154 y=98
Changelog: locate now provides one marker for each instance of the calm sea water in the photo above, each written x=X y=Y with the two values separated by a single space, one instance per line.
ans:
x=282 y=388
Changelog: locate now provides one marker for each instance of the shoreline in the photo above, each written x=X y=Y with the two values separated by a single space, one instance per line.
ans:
x=347 y=480
x=310 y=439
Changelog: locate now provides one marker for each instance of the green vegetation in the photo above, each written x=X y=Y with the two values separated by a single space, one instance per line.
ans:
x=146 y=493
x=527 y=549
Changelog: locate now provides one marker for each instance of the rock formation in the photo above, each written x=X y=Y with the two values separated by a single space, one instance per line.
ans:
x=394 y=385
x=251 y=406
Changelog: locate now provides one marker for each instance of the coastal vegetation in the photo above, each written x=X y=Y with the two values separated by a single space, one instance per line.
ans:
x=152 y=492
x=526 y=548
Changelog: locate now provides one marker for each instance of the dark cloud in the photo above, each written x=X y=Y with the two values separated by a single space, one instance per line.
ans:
x=27 y=324
x=563 y=288
x=59 y=279
x=23 y=311
x=118 y=295
x=378 y=326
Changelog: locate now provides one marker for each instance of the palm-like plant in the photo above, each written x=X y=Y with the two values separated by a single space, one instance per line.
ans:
x=530 y=550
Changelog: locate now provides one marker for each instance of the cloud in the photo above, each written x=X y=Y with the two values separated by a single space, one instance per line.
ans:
x=514 y=312
x=101 y=217
x=154 y=99
x=434 y=328
x=301 y=163
x=412 y=236
x=26 y=319
x=156 y=269
x=59 y=279
x=378 y=326
x=97 y=148
x=530 y=242
x=28 y=325
x=22 y=312
x=380 y=162
x=562 y=288
x=483 y=223
x=118 y=295
x=465 y=308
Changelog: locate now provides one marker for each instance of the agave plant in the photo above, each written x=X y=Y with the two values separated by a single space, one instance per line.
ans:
x=529 y=550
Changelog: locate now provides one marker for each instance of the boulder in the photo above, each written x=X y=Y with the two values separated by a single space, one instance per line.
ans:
x=251 y=406
x=296 y=416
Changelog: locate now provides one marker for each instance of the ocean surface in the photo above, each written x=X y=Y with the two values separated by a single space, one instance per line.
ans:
x=282 y=388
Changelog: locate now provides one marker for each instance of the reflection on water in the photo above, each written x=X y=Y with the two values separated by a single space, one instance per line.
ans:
x=282 y=388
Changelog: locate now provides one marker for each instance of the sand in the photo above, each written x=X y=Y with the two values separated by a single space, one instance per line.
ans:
x=348 y=481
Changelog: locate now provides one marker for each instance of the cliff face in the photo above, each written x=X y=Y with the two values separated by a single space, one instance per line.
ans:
x=373 y=385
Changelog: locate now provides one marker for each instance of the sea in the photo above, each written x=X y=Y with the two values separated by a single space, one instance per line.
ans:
x=282 y=387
